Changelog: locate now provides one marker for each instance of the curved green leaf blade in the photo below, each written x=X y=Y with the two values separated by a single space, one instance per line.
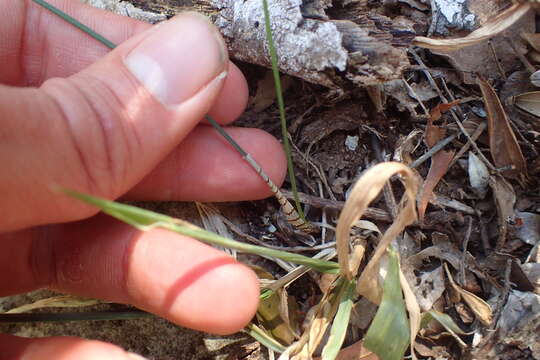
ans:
x=389 y=334
x=445 y=320
x=341 y=321
x=146 y=220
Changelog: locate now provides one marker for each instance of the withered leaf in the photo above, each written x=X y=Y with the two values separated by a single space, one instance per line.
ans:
x=479 y=307
x=439 y=166
x=532 y=39
x=439 y=162
x=491 y=28
x=528 y=102
x=502 y=141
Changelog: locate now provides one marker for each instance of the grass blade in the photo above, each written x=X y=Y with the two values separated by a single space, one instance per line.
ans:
x=76 y=23
x=341 y=322
x=389 y=334
x=262 y=336
x=281 y=107
x=146 y=219
x=444 y=319
x=74 y=316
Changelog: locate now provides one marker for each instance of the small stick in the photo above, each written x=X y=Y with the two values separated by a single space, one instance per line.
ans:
x=435 y=149
x=465 y=246
x=503 y=297
x=320 y=203
x=74 y=316
x=416 y=97
x=477 y=132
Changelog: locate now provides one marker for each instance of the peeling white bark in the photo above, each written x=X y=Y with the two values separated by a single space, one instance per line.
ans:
x=332 y=53
x=305 y=47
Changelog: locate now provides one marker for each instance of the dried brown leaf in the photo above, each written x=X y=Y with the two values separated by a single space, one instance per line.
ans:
x=528 y=102
x=479 y=307
x=502 y=141
x=56 y=301
x=439 y=166
x=438 y=110
x=364 y=191
x=532 y=39
x=319 y=318
x=413 y=309
x=491 y=28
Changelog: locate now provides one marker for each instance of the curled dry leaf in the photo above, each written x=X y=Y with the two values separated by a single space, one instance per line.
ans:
x=318 y=319
x=491 y=28
x=364 y=191
x=528 y=102
x=481 y=309
x=532 y=39
x=502 y=141
x=413 y=308
x=439 y=166
x=439 y=162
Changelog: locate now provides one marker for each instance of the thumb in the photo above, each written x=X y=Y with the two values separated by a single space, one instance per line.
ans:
x=102 y=130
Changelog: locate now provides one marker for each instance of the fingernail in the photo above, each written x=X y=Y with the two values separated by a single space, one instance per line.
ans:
x=179 y=58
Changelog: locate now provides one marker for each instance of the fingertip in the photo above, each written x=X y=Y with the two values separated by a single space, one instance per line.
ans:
x=226 y=300
x=190 y=283
x=61 y=348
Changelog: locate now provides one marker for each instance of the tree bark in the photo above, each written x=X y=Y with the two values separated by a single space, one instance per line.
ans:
x=361 y=48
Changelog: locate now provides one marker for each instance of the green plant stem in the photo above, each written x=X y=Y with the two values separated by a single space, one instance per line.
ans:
x=74 y=316
x=145 y=220
x=281 y=106
x=76 y=23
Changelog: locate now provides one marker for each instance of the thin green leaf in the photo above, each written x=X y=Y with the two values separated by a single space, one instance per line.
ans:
x=76 y=23
x=445 y=320
x=389 y=334
x=264 y=338
x=281 y=106
x=75 y=316
x=146 y=219
x=341 y=321
x=265 y=294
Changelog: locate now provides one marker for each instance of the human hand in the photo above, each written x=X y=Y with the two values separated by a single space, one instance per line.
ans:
x=120 y=123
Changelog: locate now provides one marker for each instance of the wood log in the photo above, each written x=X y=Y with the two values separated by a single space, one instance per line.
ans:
x=360 y=48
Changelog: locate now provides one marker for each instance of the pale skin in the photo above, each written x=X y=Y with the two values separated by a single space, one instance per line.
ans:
x=73 y=113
